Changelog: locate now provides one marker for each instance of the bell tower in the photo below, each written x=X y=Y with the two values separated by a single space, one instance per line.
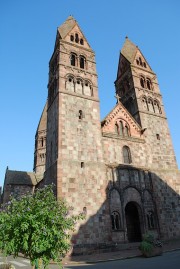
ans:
x=138 y=90
x=74 y=159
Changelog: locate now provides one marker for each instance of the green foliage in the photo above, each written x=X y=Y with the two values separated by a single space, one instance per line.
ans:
x=146 y=246
x=149 y=242
x=148 y=237
x=37 y=225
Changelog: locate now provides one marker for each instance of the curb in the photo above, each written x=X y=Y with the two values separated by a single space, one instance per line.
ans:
x=109 y=260
x=99 y=261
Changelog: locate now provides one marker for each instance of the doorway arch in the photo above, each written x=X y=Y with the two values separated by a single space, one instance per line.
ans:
x=132 y=213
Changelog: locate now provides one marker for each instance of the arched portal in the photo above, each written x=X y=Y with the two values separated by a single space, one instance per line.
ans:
x=133 y=222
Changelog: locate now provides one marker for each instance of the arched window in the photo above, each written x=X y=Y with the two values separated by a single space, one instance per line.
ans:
x=82 y=62
x=157 y=107
x=150 y=219
x=79 y=86
x=116 y=128
x=88 y=88
x=70 y=83
x=149 y=85
x=76 y=38
x=140 y=61
x=73 y=59
x=144 y=103
x=126 y=155
x=121 y=128
x=150 y=106
x=126 y=131
x=81 y=41
x=115 y=221
x=142 y=82
x=72 y=38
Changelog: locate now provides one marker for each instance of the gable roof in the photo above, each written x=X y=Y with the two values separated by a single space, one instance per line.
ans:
x=13 y=177
x=119 y=111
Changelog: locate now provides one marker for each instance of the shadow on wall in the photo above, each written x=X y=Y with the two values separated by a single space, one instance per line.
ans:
x=137 y=201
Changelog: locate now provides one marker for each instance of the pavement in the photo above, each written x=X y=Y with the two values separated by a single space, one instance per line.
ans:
x=116 y=255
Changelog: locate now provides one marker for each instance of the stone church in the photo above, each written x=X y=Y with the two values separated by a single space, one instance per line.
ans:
x=121 y=171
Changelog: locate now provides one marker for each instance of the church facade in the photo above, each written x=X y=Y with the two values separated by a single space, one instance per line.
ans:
x=121 y=171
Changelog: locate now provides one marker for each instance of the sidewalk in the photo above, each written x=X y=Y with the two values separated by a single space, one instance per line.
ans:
x=123 y=254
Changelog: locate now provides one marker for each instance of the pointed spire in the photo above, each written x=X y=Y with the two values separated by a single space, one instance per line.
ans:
x=129 y=50
x=70 y=18
x=43 y=120
x=66 y=26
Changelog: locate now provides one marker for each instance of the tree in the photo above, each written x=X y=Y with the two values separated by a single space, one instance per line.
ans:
x=36 y=225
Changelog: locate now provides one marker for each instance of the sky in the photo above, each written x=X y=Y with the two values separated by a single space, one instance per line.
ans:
x=27 y=37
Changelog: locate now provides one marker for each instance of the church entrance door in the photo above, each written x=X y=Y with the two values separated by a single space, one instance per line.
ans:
x=133 y=222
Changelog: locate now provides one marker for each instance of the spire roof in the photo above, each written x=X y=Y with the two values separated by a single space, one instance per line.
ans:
x=43 y=120
x=129 y=50
x=66 y=26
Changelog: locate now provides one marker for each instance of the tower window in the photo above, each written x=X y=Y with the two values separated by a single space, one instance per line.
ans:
x=142 y=82
x=157 y=107
x=115 y=221
x=158 y=136
x=82 y=164
x=80 y=114
x=140 y=61
x=72 y=38
x=121 y=128
x=82 y=62
x=144 y=103
x=144 y=64
x=150 y=105
x=73 y=59
x=149 y=84
x=127 y=155
x=116 y=128
x=76 y=38
x=137 y=61
x=126 y=131
x=81 y=41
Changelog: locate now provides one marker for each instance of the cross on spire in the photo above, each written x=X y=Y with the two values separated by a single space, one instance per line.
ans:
x=117 y=97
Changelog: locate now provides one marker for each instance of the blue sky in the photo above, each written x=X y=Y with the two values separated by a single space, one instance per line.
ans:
x=27 y=36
